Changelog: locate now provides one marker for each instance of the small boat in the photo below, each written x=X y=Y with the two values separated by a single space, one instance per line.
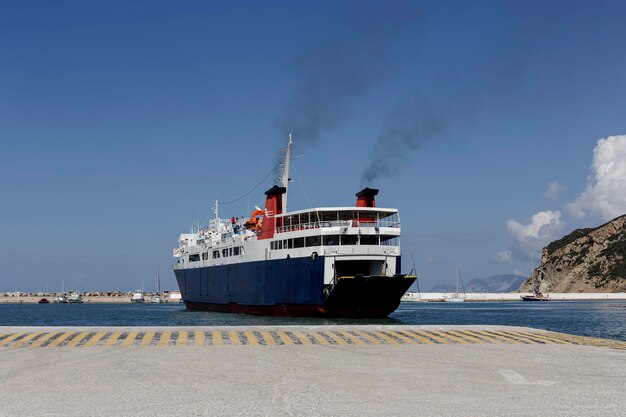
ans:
x=75 y=298
x=535 y=297
x=60 y=299
x=456 y=297
x=43 y=301
x=137 y=298
x=157 y=299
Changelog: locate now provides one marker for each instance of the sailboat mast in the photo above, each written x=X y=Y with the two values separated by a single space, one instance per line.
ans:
x=285 y=174
x=158 y=279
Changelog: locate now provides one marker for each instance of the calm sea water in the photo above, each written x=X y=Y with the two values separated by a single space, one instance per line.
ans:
x=598 y=319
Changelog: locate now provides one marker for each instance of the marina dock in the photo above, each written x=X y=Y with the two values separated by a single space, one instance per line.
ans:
x=350 y=370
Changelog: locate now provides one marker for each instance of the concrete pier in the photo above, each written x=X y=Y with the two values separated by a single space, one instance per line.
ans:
x=308 y=371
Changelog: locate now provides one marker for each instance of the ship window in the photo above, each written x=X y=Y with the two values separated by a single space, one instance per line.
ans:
x=230 y=252
x=224 y=253
x=331 y=240
x=369 y=240
x=349 y=239
x=312 y=241
x=285 y=245
x=241 y=250
x=236 y=251
x=290 y=243
x=280 y=244
x=298 y=242
x=216 y=254
x=194 y=258
x=389 y=240
x=205 y=256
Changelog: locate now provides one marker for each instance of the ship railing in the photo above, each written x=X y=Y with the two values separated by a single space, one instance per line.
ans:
x=337 y=223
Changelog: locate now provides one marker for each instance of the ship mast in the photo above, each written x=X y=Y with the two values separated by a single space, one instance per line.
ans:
x=284 y=177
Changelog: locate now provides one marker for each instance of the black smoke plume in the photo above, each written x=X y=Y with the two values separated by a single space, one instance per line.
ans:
x=333 y=74
x=412 y=124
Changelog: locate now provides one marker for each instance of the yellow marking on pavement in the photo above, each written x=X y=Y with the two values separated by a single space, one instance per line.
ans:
x=113 y=339
x=182 y=339
x=403 y=337
x=500 y=336
x=199 y=336
x=486 y=338
x=129 y=339
x=546 y=338
x=42 y=340
x=420 y=338
x=431 y=335
x=10 y=339
x=234 y=337
x=367 y=337
x=75 y=341
x=95 y=339
x=385 y=337
x=353 y=339
x=23 y=340
x=252 y=340
x=453 y=338
x=56 y=342
x=320 y=339
x=147 y=338
x=284 y=338
x=217 y=337
x=335 y=338
x=165 y=338
x=267 y=337
x=473 y=337
x=302 y=338
x=517 y=336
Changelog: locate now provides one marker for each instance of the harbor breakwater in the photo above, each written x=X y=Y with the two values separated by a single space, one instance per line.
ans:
x=86 y=297
x=440 y=296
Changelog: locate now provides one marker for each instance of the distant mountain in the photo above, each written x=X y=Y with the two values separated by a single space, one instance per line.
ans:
x=443 y=288
x=586 y=260
x=496 y=283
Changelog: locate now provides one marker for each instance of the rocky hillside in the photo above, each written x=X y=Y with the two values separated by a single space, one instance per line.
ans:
x=586 y=260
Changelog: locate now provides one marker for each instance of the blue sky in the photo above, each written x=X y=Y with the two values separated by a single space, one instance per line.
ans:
x=121 y=122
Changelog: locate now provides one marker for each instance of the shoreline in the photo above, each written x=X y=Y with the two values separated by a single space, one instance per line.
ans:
x=499 y=297
x=87 y=297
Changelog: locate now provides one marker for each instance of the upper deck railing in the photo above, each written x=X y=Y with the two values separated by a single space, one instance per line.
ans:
x=343 y=217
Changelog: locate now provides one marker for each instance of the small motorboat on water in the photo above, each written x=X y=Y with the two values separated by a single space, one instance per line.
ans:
x=137 y=297
x=75 y=298
x=43 y=301
x=60 y=299
x=156 y=299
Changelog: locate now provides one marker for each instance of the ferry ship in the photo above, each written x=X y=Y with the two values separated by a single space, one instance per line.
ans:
x=328 y=262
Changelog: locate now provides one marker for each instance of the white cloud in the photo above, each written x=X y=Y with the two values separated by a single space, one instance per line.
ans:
x=605 y=193
x=505 y=256
x=543 y=227
x=553 y=191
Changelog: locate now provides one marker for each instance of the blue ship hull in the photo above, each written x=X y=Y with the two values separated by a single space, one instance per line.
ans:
x=288 y=287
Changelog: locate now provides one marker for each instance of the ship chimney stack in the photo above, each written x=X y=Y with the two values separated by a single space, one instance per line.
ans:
x=365 y=197
x=273 y=206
